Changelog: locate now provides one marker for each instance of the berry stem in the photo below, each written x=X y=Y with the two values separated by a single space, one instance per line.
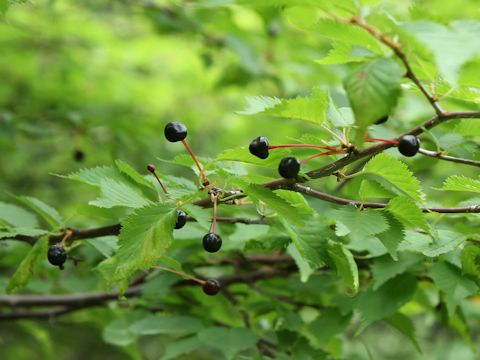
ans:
x=214 y=198
x=68 y=233
x=181 y=273
x=152 y=170
x=301 y=146
x=333 y=152
x=394 y=142
x=200 y=169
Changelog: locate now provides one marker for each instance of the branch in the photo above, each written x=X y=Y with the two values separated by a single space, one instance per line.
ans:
x=439 y=155
x=341 y=201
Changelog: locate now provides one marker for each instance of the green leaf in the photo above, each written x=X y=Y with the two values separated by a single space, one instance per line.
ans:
x=384 y=301
x=343 y=52
x=203 y=216
x=230 y=341
x=28 y=266
x=16 y=216
x=51 y=216
x=117 y=333
x=175 y=325
x=470 y=257
x=461 y=183
x=373 y=90
x=394 y=176
x=445 y=242
x=145 y=236
x=405 y=326
x=311 y=109
x=409 y=214
x=393 y=236
x=94 y=176
x=359 y=224
x=384 y=268
x=455 y=286
x=175 y=348
x=345 y=264
x=297 y=200
x=10 y=233
x=328 y=324
x=114 y=193
x=133 y=174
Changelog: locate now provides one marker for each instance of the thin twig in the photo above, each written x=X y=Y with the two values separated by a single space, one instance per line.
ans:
x=441 y=156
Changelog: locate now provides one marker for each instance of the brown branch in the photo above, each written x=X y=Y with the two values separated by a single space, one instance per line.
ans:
x=341 y=201
x=439 y=155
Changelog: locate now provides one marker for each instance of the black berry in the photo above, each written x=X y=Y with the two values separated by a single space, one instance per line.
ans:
x=78 y=155
x=175 y=131
x=57 y=255
x=289 y=167
x=181 y=219
x=212 y=242
x=259 y=147
x=408 y=145
x=381 y=120
x=211 y=287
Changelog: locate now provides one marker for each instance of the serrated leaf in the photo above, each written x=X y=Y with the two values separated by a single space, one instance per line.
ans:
x=12 y=232
x=373 y=91
x=311 y=109
x=345 y=265
x=394 y=176
x=94 y=176
x=28 y=266
x=393 y=236
x=405 y=326
x=132 y=173
x=16 y=216
x=445 y=242
x=51 y=216
x=455 y=286
x=409 y=214
x=384 y=268
x=386 y=300
x=359 y=224
x=175 y=325
x=342 y=53
x=297 y=200
x=461 y=183
x=114 y=193
x=145 y=236
x=203 y=216
x=470 y=258
x=230 y=341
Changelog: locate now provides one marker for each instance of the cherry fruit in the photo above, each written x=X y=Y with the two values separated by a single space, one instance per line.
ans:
x=57 y=255
x=175 y=131
x=181 y=219
x=408 y=145
x=212 y=242
x=259 y=147
x=289 y=167
x=211 y=287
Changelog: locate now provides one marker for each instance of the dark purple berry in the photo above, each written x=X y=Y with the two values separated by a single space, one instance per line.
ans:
x=212 y=242
x=175 y=131
x=181 y=219
x=259 y=147
x=211 y=287
x=408 y=145
x=289 y=167
x=57 y=255
x=78 y=155
x=381 y=120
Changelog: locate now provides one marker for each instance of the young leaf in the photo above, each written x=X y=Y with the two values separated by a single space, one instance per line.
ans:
x=461 y=183
x=28 y=266
x=51 y=216
x=114 y=193
x=345 y=264
x=394 y=176
x=373 y=91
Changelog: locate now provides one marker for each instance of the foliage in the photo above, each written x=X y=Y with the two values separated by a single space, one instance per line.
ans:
x=364 y=241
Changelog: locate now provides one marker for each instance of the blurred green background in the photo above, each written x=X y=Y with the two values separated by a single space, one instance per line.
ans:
x=83 y=83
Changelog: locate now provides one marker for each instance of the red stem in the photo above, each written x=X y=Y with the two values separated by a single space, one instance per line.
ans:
x=333 y=152
x=200 y=169
x=394 y=142
x=301 y=146
x=160 y=182
x=214 y=222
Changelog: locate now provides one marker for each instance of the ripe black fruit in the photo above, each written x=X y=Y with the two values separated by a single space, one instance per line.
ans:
x=181 y=219
x=175 y=131
x=259 y=147
x=211 y=287
x=289 y=167
x=408 y=145
x=381 y=120
x=212 y=242
x=57 y=255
